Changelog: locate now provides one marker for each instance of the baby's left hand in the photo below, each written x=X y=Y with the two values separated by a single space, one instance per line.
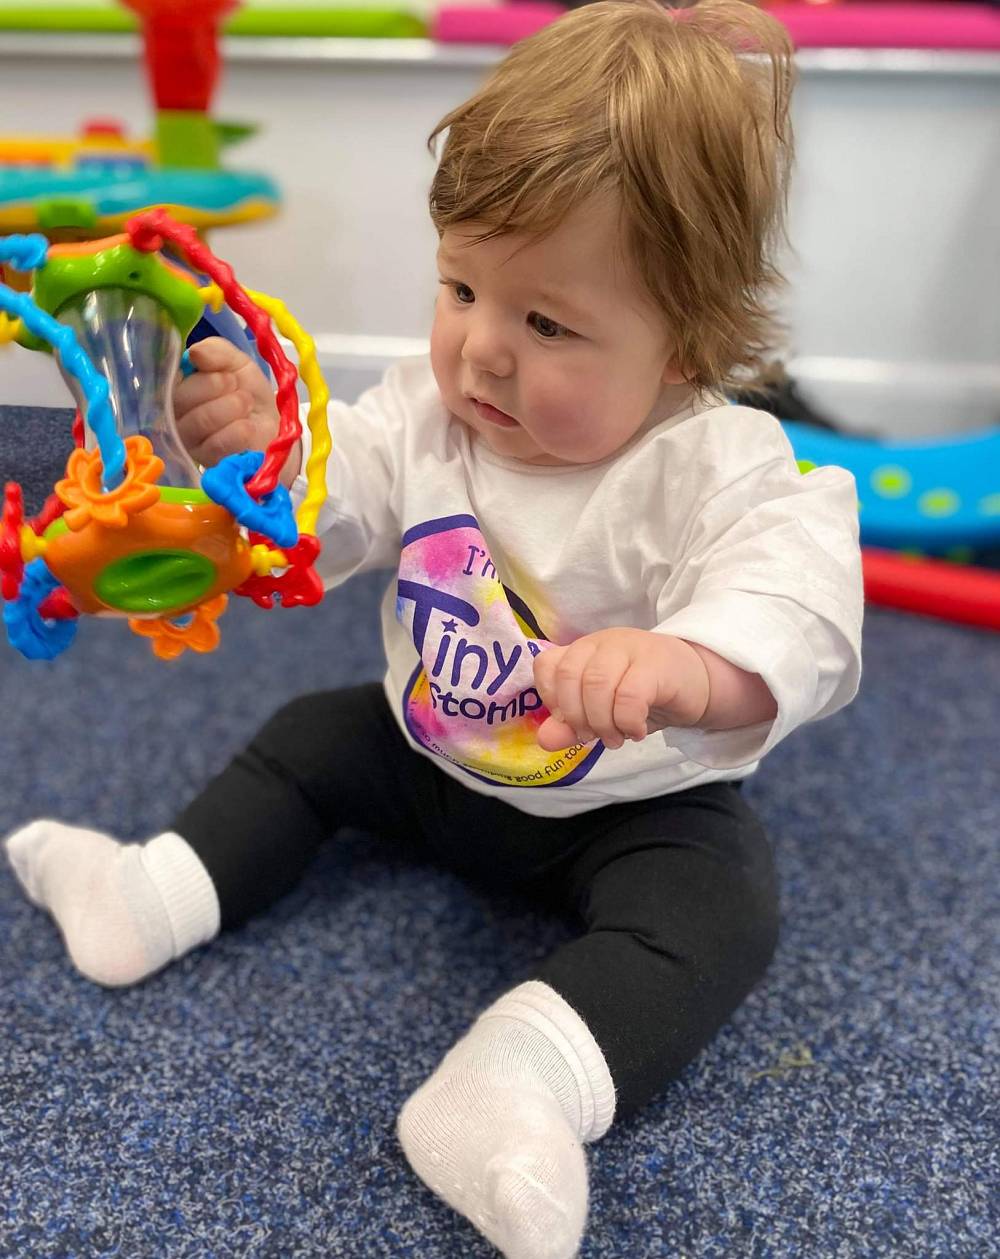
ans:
x=619 y=684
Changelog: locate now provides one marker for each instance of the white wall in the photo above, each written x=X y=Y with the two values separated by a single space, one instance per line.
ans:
x=895 y=301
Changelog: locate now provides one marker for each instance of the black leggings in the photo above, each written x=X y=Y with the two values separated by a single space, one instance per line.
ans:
x=676 y=894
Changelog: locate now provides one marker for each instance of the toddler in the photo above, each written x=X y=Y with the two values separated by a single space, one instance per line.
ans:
x=613 y=595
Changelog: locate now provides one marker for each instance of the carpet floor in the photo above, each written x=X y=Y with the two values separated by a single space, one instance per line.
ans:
x=242 y=1103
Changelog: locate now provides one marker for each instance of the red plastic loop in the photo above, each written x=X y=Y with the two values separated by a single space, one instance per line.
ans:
x=298 y=586
x=148 y=232
x=57 y=606
x=52 y=509
x=11 y=563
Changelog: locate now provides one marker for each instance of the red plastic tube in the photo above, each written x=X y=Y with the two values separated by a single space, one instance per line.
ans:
x=953 y=592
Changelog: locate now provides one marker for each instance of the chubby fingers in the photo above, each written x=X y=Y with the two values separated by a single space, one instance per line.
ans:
x=594 y=689
x=553 y=735
x=194 y=391
x=216 y=354
x=633 y=699
x=557 y=674
x=213 y=416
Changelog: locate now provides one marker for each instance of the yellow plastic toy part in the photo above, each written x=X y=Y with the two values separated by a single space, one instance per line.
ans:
x=319 y=397
x=265 y=561
x=9 y=328
x=32 y=546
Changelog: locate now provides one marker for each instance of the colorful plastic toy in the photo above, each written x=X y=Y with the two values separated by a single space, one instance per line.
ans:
x=953 y=592
x=135 y=528
x=88 y=186
x=939 y=498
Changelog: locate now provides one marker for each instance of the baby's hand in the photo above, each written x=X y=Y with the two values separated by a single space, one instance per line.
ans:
x=226 y=406
x=619 y=684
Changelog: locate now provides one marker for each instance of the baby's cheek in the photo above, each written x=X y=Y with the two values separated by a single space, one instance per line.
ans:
x=444 y=361
x=567 y=406
x=576 y=428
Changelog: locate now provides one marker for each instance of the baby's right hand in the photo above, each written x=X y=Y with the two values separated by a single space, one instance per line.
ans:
x=226 y=406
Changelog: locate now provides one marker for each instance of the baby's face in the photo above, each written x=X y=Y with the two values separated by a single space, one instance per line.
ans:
x=549 y=349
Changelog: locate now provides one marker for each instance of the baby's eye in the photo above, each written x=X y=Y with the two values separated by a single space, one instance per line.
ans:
x=545 y=327
x=462 y=291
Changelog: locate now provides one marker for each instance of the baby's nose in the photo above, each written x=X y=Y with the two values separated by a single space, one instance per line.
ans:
x=486 y=349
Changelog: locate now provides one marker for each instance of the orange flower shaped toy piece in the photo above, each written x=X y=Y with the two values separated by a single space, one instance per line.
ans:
x=196 y=632
x=86 y=499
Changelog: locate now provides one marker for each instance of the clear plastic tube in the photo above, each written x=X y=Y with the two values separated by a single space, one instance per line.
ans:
x=134 y=344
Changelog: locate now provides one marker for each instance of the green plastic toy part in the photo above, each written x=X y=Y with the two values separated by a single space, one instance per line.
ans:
x=66 y=275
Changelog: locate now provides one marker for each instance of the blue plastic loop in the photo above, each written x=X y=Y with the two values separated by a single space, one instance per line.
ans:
x=24 y=253
x=28 y=632
x=225 y=484
x=77 y=362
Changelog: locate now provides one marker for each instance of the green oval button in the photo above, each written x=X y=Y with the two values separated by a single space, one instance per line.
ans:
x=155 y=581
x=891 y=481
x=939 y=502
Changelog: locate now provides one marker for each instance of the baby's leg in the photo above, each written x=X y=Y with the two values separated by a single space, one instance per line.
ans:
x=497 y=1131
x=125 y=910
x=681 y=912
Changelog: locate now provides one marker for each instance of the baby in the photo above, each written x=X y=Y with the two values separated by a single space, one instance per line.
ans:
x=613 y=595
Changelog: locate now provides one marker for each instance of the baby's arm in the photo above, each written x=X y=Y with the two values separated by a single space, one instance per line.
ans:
x=758 y=623
x=228 y=406
x=620 y=684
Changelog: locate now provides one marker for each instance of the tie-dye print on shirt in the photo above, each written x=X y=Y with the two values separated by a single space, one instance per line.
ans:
x=472 y=697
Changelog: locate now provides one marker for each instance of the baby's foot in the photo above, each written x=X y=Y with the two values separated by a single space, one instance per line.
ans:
x=506 y=1159
x=497 y=1131
x=124 y=910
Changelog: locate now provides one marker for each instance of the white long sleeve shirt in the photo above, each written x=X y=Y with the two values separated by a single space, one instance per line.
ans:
x=702 y=527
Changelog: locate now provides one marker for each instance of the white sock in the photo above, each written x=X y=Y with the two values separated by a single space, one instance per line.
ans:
x=497 y=1129
x=124 y=910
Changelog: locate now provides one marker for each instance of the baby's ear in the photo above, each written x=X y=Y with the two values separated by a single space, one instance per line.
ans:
x=673 y=374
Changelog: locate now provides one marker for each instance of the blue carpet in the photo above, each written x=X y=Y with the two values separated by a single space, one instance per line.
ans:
x=243 y=1102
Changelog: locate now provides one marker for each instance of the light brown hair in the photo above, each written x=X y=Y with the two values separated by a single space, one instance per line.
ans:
x=664 y=108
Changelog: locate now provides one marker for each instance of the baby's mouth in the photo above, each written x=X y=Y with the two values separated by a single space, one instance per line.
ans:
x=493 y=415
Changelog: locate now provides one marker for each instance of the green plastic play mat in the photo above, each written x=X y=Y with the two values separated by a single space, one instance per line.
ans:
x=355 y=19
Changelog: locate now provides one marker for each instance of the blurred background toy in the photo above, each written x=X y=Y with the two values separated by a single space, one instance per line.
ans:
x=311 y=19
x=950 y=592
x=940 y=498
x=929 y=511
x=78 y=188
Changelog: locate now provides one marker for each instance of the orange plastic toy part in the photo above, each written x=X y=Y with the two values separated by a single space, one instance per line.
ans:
x=78 y=559
x=169 y=640
x=86 y=499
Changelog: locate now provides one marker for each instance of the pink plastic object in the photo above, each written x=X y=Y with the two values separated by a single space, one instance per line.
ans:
x=974 y=27
x=492 y=24
x=929 y=26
